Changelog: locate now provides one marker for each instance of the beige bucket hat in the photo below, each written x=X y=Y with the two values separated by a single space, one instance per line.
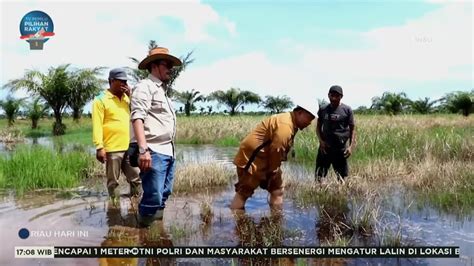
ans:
x=157 y=54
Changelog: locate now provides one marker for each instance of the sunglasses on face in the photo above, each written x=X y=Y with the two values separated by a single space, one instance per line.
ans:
x=168 y=65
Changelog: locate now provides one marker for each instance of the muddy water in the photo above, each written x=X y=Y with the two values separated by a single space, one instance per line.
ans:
x=86 y=218
x=6 y=148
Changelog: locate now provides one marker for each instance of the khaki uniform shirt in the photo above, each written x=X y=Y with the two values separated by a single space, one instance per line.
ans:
x=280 y=129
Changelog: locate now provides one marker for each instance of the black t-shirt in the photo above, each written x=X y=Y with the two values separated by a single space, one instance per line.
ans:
x=335 y=124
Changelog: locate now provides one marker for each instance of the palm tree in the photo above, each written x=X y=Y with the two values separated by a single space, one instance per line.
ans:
x=423 y=106
x=84 y=86
x=362 y=110
x=176 y=71
x=322 y=103
x=391 y=103
x=53 y=87
x=277 y=104
x=459 y=101
x=138 y=74
x=11 y=107
x=36 y=110
x=189 y=98
x=233 y=98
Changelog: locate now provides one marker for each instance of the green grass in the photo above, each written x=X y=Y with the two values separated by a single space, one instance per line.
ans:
x=39 y=167
x=2 y=176
x=405 y=139
x=409 y=149
x=378 y=137
x=308 y=193
x=228 y=142
x=220 y=130
x=458 y=197
x=181 y=232
x=79 y=133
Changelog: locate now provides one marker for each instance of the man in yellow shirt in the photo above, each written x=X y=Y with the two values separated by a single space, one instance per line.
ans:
x=261 y=153
x=111 y=132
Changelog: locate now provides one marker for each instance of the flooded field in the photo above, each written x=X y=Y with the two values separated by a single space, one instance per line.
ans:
x=85 y=217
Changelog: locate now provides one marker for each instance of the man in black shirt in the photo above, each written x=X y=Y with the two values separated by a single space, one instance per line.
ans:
x=336 y=133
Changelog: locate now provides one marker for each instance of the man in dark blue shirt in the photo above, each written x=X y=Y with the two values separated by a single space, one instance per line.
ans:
x=336 y=133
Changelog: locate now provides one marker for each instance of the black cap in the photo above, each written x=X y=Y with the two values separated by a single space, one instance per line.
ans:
x=118 y=73
x=336 y=88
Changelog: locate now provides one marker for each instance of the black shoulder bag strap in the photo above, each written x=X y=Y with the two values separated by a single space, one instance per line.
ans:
x=254 y=154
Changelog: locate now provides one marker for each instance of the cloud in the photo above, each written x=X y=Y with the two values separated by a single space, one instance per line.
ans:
x=434 y=47
x=255 y=71
x=94 y=34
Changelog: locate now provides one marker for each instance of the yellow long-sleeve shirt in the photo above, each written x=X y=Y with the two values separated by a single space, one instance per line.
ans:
x=280 y=129
x=111 y=122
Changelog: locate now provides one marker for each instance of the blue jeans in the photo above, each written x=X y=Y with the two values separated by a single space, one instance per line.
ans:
x=157 y=184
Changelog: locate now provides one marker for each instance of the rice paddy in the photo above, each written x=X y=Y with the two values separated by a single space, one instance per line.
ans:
x=401 y=165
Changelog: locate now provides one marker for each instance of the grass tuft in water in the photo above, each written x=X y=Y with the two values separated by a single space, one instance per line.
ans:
x=194 y=177
x=181 y=231
x=206 y=210
x=11 y=135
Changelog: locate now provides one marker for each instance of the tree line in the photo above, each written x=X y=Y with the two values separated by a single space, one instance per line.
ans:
x=65 y=87
x=56 y=92
x=398 y=103
x=57 y=89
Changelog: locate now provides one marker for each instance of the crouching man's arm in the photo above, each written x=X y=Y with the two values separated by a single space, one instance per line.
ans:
x=280 y=145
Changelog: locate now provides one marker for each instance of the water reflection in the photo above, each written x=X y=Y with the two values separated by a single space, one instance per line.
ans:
x=267 y=232
x=184 y=153
x=303 y=226
x=333 y=225
x=124 y=232
x=56 y=144
x=156 y=236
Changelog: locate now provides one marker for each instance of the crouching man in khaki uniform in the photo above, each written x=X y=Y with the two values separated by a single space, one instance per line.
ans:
x=261 y=153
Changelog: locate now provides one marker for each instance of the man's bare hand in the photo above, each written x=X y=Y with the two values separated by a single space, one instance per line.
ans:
x=101 y=155
x=323 y=146
x=348 y=152
x=125 y=89
x=144 y=161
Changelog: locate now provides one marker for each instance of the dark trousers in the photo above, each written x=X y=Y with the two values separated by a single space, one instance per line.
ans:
x=334 y=157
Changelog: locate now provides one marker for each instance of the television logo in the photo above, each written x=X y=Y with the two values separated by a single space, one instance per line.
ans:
x=36 y=27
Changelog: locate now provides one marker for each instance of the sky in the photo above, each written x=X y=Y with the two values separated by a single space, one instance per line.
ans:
x=294 y=48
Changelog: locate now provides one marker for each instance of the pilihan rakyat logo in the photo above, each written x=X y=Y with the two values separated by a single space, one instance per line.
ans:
x=36 y=27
